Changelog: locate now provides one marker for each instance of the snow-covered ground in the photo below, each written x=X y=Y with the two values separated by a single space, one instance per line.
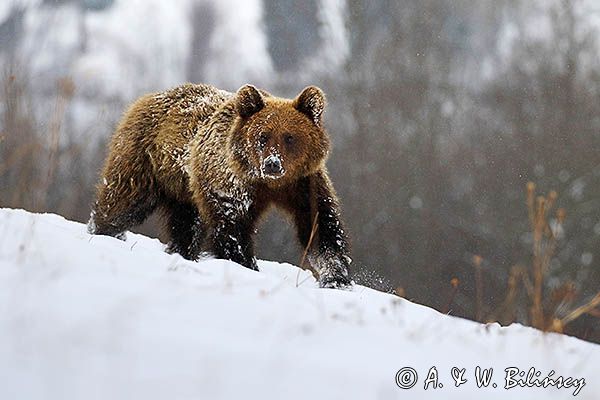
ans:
x=95 y=317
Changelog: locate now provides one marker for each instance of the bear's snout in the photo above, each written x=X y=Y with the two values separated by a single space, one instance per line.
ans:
x=272 y=167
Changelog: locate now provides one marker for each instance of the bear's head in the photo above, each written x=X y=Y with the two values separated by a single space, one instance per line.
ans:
x=278 y=140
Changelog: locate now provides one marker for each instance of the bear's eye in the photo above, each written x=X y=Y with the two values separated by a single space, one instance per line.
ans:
x=289 y=139
x=262 y=140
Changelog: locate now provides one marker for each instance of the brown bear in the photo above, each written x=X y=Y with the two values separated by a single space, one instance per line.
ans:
x=214 y=162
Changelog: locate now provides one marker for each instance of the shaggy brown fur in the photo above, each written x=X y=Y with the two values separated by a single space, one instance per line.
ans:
x=215 y=161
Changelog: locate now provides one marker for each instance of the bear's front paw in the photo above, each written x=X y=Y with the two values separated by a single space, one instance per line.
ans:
x=333 y=271
x=334 y=281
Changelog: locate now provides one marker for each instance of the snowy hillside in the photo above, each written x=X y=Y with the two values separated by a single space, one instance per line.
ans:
x=94 y=317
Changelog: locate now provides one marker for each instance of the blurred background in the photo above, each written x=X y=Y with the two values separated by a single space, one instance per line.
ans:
x=466 y=133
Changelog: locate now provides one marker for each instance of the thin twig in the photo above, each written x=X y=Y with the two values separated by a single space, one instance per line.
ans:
x=305 y=253
x=454 y=282
x=586 y=308
x=478 y=288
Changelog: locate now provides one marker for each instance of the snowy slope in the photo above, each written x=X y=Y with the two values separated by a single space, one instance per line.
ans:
x=94 y=317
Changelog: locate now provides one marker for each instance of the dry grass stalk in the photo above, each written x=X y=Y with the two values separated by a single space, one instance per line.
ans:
x=561 y=297
x=313 y=231
x=544 y=247
x=543 y=314
x=537 y=312
x=66 y=89
x=477 y=260
x=587 y=308
x=20 y=144
x=454 y=282
x=506 y=313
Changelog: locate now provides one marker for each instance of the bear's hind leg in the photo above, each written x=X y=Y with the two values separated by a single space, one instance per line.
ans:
x=119 y=207
x=186 y=230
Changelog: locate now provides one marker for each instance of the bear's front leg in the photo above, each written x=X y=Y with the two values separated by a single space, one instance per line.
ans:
x=329 y=252
x=232 y=230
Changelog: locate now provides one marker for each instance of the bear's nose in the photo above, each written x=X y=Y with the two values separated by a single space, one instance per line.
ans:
x=272 y=165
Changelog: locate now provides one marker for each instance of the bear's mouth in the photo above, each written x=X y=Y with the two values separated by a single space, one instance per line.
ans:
x=272 y=175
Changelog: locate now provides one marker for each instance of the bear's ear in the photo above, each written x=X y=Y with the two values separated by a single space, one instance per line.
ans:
x=249 y=101
x=312 y=103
